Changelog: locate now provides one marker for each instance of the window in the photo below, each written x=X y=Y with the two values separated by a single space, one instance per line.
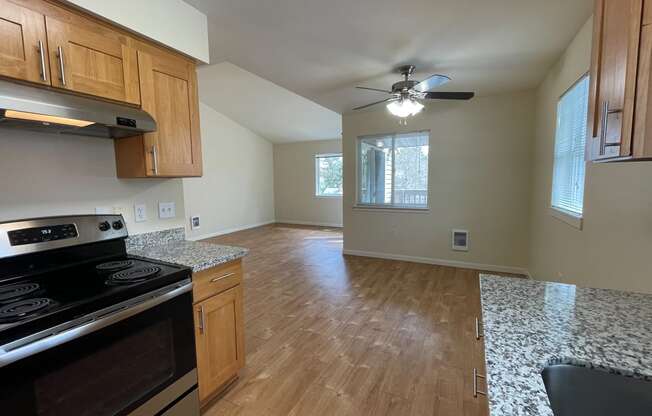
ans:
x=393 y=170
x=570 y=140
x=328 y=175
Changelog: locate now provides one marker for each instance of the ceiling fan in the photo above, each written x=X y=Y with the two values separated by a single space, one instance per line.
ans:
x=407 y=94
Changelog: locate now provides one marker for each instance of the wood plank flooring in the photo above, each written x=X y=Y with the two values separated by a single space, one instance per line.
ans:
x=327 y=334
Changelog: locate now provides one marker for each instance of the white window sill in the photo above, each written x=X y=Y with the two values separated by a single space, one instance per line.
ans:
x=328 y=196
x=567 y=217
x=377 y=208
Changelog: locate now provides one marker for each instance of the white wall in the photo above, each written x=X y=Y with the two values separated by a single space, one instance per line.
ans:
x=613 y=248
x=265 y=108
x=237 y=189
x=171 y=22
x=480 y=157
x=50 y=174
x=294 y=184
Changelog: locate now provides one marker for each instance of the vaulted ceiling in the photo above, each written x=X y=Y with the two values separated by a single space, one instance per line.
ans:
x=323 y=49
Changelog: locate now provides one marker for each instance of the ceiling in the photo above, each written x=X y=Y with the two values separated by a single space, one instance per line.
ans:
x=323 y=49
x=271 y=111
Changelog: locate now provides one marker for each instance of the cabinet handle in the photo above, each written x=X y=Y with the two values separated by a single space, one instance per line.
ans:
x=154 y=153
x=478 y=334
x=476 y=376
x=62 y=67
x=605 y=125
x=41 y=53
x=217 y=279
x=201 y=319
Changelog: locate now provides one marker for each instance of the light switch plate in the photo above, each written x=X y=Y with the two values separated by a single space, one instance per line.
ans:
x=140 y=212
x=194 y=222
x=167 y=210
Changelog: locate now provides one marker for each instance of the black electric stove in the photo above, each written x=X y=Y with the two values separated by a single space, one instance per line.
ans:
x=72 y=301
x=46 y=288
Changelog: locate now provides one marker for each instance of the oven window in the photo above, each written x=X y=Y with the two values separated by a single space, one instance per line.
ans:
x=138 y=364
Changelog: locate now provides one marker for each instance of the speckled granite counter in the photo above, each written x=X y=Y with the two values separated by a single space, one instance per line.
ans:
x=171 y=247
x=529 y=324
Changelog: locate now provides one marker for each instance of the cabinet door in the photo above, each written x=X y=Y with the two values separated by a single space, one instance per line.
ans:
x=642 y=146
x=219 y=334
x=647 y=12
x=616 y=36
x=92 y=60
x=169 y=93
x=23 y=44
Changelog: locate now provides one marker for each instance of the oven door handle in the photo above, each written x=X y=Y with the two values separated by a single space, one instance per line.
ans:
x=20 y=349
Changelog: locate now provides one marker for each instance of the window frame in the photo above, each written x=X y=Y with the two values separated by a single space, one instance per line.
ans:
x=571 y=218
x=316 y=158
x=357 y=205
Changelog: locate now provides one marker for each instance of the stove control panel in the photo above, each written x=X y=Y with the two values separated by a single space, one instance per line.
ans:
x=42 y=234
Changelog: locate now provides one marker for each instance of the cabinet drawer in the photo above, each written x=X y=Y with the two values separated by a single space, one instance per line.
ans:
x=217 y=279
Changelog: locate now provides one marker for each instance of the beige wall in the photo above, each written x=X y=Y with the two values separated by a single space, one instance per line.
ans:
x=50 y=174
x=237 y=188
x=294 y=182
x=480 y=157
x=613 y=249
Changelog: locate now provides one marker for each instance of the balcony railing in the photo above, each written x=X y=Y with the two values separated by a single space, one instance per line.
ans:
x=410 y=197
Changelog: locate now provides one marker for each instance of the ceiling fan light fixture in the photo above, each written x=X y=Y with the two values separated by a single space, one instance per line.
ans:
x=405 y=107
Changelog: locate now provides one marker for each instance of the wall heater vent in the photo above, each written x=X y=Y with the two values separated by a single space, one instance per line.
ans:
x=460 y=240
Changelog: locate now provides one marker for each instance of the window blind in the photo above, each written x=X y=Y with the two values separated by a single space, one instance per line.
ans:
x=570 y=141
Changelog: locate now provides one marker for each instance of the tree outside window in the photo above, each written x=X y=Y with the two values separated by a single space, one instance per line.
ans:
x=328 y=175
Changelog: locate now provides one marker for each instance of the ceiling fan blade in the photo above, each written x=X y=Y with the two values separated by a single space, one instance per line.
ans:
x=443 y=95
x=377 y=102
x=432 y=82
x=374 y=89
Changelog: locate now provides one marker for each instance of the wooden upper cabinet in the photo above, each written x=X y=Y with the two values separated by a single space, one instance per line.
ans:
x=92 y=60
x=642 y=138
x=219 y=340
x=23 y=44
x=169 y=93
x=647 y=12
x=616 y=38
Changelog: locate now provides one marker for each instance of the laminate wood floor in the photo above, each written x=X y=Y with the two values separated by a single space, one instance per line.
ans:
x=328 y=334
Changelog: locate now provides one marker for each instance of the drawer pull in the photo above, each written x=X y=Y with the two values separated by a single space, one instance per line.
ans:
x=475 y=383
x=217 y=279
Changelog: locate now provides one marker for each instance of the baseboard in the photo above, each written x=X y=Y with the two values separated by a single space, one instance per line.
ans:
x=440 y=262
x=316 y=224
x=228 y=231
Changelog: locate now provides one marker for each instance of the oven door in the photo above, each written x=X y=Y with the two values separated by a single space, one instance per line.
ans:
x=136 y=360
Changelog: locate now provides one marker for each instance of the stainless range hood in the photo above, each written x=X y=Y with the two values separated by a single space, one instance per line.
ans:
x=31 y=108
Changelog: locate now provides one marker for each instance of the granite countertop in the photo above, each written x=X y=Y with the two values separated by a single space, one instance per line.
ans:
x=529 y=324
x=170 y=246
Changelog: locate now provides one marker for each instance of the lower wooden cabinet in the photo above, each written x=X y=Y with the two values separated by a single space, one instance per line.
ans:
x=219 y=330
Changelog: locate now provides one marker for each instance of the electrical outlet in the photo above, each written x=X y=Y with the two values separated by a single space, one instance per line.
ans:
x=166 y=210
x=194 y=222
x=140 y=212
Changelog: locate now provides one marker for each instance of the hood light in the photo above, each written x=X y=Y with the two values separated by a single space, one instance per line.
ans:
x=46 y=120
